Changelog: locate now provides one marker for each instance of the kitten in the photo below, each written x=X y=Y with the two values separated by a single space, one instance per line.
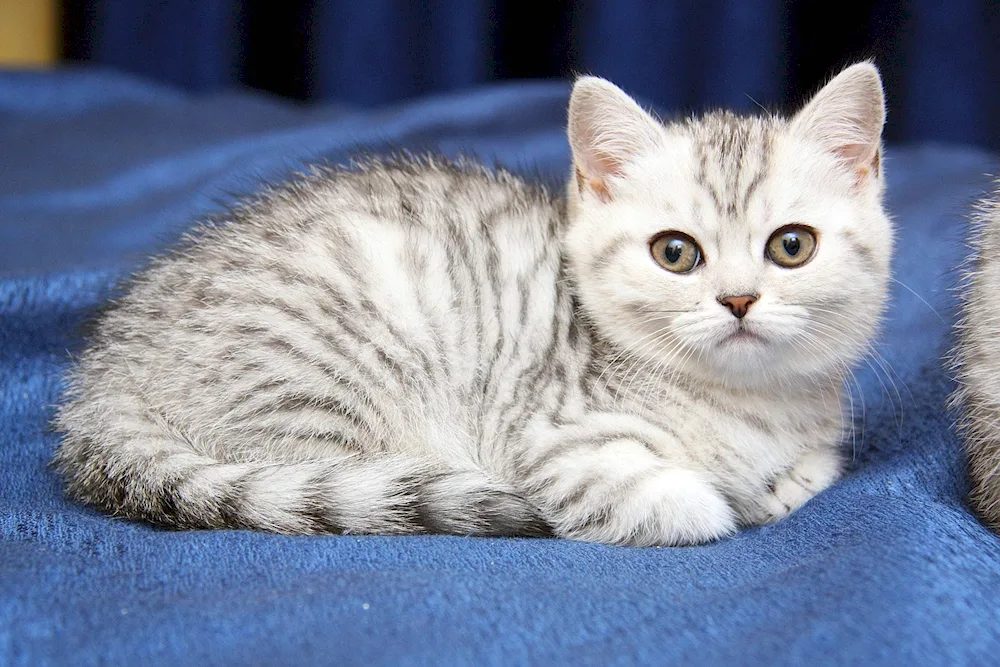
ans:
x=420 y=346
x=976 y=359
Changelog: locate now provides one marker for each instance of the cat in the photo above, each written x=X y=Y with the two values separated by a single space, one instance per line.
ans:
x=655 y=356
x=976 y=361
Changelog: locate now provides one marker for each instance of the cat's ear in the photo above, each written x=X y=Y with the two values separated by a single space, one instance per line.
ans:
x=607 y=131
x=846 y=117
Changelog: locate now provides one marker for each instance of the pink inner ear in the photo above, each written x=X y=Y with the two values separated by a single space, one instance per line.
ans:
x=595 y=169
x=609 y=166
x=860 y=156
x=596 y=186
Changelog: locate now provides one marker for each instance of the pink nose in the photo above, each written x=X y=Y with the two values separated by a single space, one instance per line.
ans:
x=738 y=305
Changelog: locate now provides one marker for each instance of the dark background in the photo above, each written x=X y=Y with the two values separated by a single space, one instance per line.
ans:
x=940 y=58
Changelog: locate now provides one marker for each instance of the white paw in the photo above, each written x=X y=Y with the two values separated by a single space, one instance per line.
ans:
x=672 y=507
x=814 y=472
x=787 y=495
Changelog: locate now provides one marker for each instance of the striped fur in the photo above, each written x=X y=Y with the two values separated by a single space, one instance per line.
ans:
x=976 y=360
x=417 y=346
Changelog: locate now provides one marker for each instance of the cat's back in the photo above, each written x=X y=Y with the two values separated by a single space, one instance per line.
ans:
x=977 y=362
x=384 y=213
x=416 y=233
x=419 y=282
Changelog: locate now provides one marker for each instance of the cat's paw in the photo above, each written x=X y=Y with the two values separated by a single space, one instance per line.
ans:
x=671 y=507
x=812 y=473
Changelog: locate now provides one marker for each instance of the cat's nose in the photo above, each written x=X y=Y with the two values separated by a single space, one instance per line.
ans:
x=738 y=305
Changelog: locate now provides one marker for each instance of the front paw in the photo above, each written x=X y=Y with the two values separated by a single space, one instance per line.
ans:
x=813 y=473
x=785 y=496
x=671 y=507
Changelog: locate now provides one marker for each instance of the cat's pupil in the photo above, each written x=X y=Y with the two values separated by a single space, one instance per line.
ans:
x=674 y=250
x=791 y=244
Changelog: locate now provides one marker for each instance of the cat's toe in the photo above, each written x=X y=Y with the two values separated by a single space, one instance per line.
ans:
x=816 y=471
x=786 y=495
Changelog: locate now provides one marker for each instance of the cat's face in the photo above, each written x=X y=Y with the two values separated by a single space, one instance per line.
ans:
x=743 y=250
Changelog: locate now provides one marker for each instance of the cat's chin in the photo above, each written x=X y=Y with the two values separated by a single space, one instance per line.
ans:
x=747 y=342
x=750 y=372
x=743 y=338
x=746 y=358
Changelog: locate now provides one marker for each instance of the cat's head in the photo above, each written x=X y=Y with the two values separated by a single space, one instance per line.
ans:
x=742 y=249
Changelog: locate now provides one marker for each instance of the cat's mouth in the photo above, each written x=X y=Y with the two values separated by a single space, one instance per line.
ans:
x=742 y=335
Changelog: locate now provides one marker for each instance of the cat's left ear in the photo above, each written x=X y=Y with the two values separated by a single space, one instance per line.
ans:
x=607 y=131
x=846 y=117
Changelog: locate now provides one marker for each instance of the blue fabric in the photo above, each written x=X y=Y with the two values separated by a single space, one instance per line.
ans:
x=96 y=170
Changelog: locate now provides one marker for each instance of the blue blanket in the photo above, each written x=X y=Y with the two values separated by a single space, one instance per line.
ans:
x=97 y=170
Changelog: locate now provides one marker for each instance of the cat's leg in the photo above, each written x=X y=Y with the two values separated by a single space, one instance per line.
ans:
x=614 y=487
x=814 y=471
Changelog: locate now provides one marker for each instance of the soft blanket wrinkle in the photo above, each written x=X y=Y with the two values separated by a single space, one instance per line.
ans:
x=98 y=169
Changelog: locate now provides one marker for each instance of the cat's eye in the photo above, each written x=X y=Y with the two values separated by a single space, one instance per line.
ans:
x=675 y=252
x=791 y=246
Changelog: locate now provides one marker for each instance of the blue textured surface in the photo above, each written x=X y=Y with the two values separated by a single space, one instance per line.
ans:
x=97 y=170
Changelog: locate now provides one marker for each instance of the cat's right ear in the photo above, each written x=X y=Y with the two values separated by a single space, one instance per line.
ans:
x=607 y=131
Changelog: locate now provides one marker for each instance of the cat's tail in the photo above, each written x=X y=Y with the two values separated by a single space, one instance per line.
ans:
x=169 y=484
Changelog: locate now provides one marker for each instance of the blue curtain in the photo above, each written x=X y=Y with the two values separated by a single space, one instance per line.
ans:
x=684 y=56
x=382 y=50
x=190 y=43
x=940 y=58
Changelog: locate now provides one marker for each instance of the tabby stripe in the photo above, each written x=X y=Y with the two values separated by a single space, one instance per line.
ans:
x=362 y=343
x=419 y=358
x=348 y=412
x=763 y=170
x=462 y=260
x=865 y=252
x=607 y=495
x=328 y=405
x=433 y=371
x=553 y=372
x=703 y=180
x=317 y=509
x=532 y=376
x=313 y=358
x=497 y=290
x=747 y=417
x=479 y=277
x=229 y=505
x=248 y=402
x=304 y=439
x=758 y=178
x=609 y=251
x=327 y=291
x=732 y=182
x=574 y=445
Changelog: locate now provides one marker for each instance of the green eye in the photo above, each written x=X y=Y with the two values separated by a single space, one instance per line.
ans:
x=675 y=252
x=791 y=246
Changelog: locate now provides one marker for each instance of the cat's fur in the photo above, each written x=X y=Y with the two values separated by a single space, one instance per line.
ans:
x=417 y=346
x=976 y=359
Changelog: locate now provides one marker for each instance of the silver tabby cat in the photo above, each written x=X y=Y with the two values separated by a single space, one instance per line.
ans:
x=421 y=346
x=977 y=361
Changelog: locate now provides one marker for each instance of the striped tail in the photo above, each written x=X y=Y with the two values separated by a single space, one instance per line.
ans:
x=172 y=486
